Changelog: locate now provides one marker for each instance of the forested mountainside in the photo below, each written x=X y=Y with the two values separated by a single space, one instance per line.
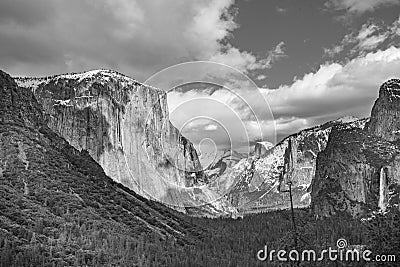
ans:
x=358 y=172
x=58 y=205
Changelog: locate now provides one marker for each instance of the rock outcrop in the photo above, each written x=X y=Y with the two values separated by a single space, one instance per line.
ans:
x=223 y=161
x=261 y=148
x=125 y=127
x=385 y=114
x=348 y=172
x=55 y=199
x=359 y=170
x=259 y=183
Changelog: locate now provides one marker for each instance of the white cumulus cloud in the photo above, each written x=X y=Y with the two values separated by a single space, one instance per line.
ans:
x=211 y=127
x=135 y=37
x=332 y=91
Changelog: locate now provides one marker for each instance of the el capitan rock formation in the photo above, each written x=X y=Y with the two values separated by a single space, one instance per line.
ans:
x=55 y=199
x=124 y=125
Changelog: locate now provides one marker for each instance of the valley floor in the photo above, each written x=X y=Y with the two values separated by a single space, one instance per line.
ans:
x=222 y=242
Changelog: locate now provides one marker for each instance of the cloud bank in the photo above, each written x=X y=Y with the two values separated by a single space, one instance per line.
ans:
x=334 y=90
x=135 y=37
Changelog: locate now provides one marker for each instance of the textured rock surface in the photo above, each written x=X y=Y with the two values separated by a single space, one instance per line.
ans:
x=261 y=148
x=350 y=170
x=223 y=161
x=385 y=114
x=255 y=184
x=44 y=172
x=124 y=125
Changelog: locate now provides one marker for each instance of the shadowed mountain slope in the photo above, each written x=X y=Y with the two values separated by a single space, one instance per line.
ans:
x=57 y=206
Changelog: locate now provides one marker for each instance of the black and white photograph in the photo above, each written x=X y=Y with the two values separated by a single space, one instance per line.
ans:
x=199 y=133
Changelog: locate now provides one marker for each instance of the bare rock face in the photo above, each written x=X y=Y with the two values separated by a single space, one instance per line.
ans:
x=53 y=196
x=348 y=172
x=17 y=106
x=258 y=183
x=261 y=148
x=223 y=161
x=358 y=172
x=124 y=125
x=385 y=114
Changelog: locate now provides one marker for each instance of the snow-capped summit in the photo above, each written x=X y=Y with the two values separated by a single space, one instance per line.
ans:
x=101 y=76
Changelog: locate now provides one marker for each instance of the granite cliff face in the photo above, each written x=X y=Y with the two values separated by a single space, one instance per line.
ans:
x=55 y=199
x=124 y=125
x=223 y=161
x=259 y=183
x=261 y=148
x=359 y=170
x=348 y=172
x=385 y=114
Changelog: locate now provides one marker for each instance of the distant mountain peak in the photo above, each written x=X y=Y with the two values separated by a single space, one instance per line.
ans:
x=347 y=119
x=256 y=182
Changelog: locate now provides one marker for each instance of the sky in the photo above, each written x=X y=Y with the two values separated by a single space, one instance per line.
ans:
x=289 y=64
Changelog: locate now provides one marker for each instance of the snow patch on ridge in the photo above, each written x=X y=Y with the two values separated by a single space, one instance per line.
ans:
x=101 y=75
